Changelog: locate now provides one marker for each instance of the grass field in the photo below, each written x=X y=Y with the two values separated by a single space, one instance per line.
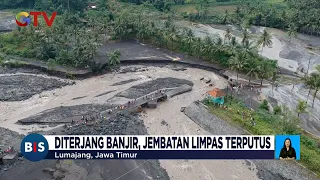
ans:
x=267 y=124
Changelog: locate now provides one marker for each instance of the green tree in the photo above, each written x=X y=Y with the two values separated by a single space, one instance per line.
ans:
x=315 y=79
x=265 y=70
x=245 y=36
x=142 y=33
x=264 y=105
x=172 y=36
x=225 y=17
x=227 y=35
x=292 y=31
x=309 y=82
x=188 y=39
x=277 y=110
x=264 y=40
x=274 y=79
x=252 y=68
x=301 y=107
x=207 y=46
x=248 y=48
x=114 y=58
x=233 y=45
x=218 y=46
x=237 y=63
x=197 y=47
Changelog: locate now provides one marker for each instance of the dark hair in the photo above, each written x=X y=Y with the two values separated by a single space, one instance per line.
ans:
x=284 y=144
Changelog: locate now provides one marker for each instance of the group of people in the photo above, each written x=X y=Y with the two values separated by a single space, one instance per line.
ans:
x=84 y=119
x=236 y=87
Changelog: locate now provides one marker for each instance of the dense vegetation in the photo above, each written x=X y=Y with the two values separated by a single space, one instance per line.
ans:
x=74 y=40
x=293 y=15
x=53 y=5
x=282 y=121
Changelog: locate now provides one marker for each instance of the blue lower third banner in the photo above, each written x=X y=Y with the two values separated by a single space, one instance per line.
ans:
x=161 y=154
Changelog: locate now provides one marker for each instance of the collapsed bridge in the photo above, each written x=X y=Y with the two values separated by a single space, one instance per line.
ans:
x=150 y=101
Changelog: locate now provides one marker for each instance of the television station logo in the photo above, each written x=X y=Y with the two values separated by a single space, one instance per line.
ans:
x=34 y=147
x=23 y=18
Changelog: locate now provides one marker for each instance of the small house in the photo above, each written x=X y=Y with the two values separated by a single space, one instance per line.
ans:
x=216 y=96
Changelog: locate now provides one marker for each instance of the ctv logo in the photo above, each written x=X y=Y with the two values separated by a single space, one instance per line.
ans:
x=23 y=18
x=34 y=147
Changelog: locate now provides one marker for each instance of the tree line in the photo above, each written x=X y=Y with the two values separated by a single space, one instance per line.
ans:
x=227 y=51
x=75 y=41
x=71 y=41
x=294 y=15
x=48 y=5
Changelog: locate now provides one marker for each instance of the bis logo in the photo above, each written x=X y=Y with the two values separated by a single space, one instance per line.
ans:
x=24 y=19
x=34 y=147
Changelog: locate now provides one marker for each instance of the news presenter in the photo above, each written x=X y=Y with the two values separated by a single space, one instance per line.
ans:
x=287 y=152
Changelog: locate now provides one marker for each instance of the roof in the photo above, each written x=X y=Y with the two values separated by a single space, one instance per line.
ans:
x=216 y=92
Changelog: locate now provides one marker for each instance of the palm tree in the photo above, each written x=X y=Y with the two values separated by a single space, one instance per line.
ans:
x=252 y=68
x=120 y=30
x=207 y=46
x=249 y=48
x=309 y=83
x=218 y=46
x=265 y=70
x=233 y=45
x=292 y=31
x=265 y=40
x=283 y=18
x=225 y=17
x=197 y=46
x=114 y=58
x=301 y=107
x=245 y=36
x=237 y=13
x=172 y=36
x=188 y=40
x=159 y=37
x=227 y=35
x=237 y=63
x=316 y=85
x=142 y=33
x=274 y=79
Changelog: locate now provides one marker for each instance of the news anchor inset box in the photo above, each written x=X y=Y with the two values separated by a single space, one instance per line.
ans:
x=287 y=146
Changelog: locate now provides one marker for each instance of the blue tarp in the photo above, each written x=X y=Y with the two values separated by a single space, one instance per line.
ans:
x=218 y=100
